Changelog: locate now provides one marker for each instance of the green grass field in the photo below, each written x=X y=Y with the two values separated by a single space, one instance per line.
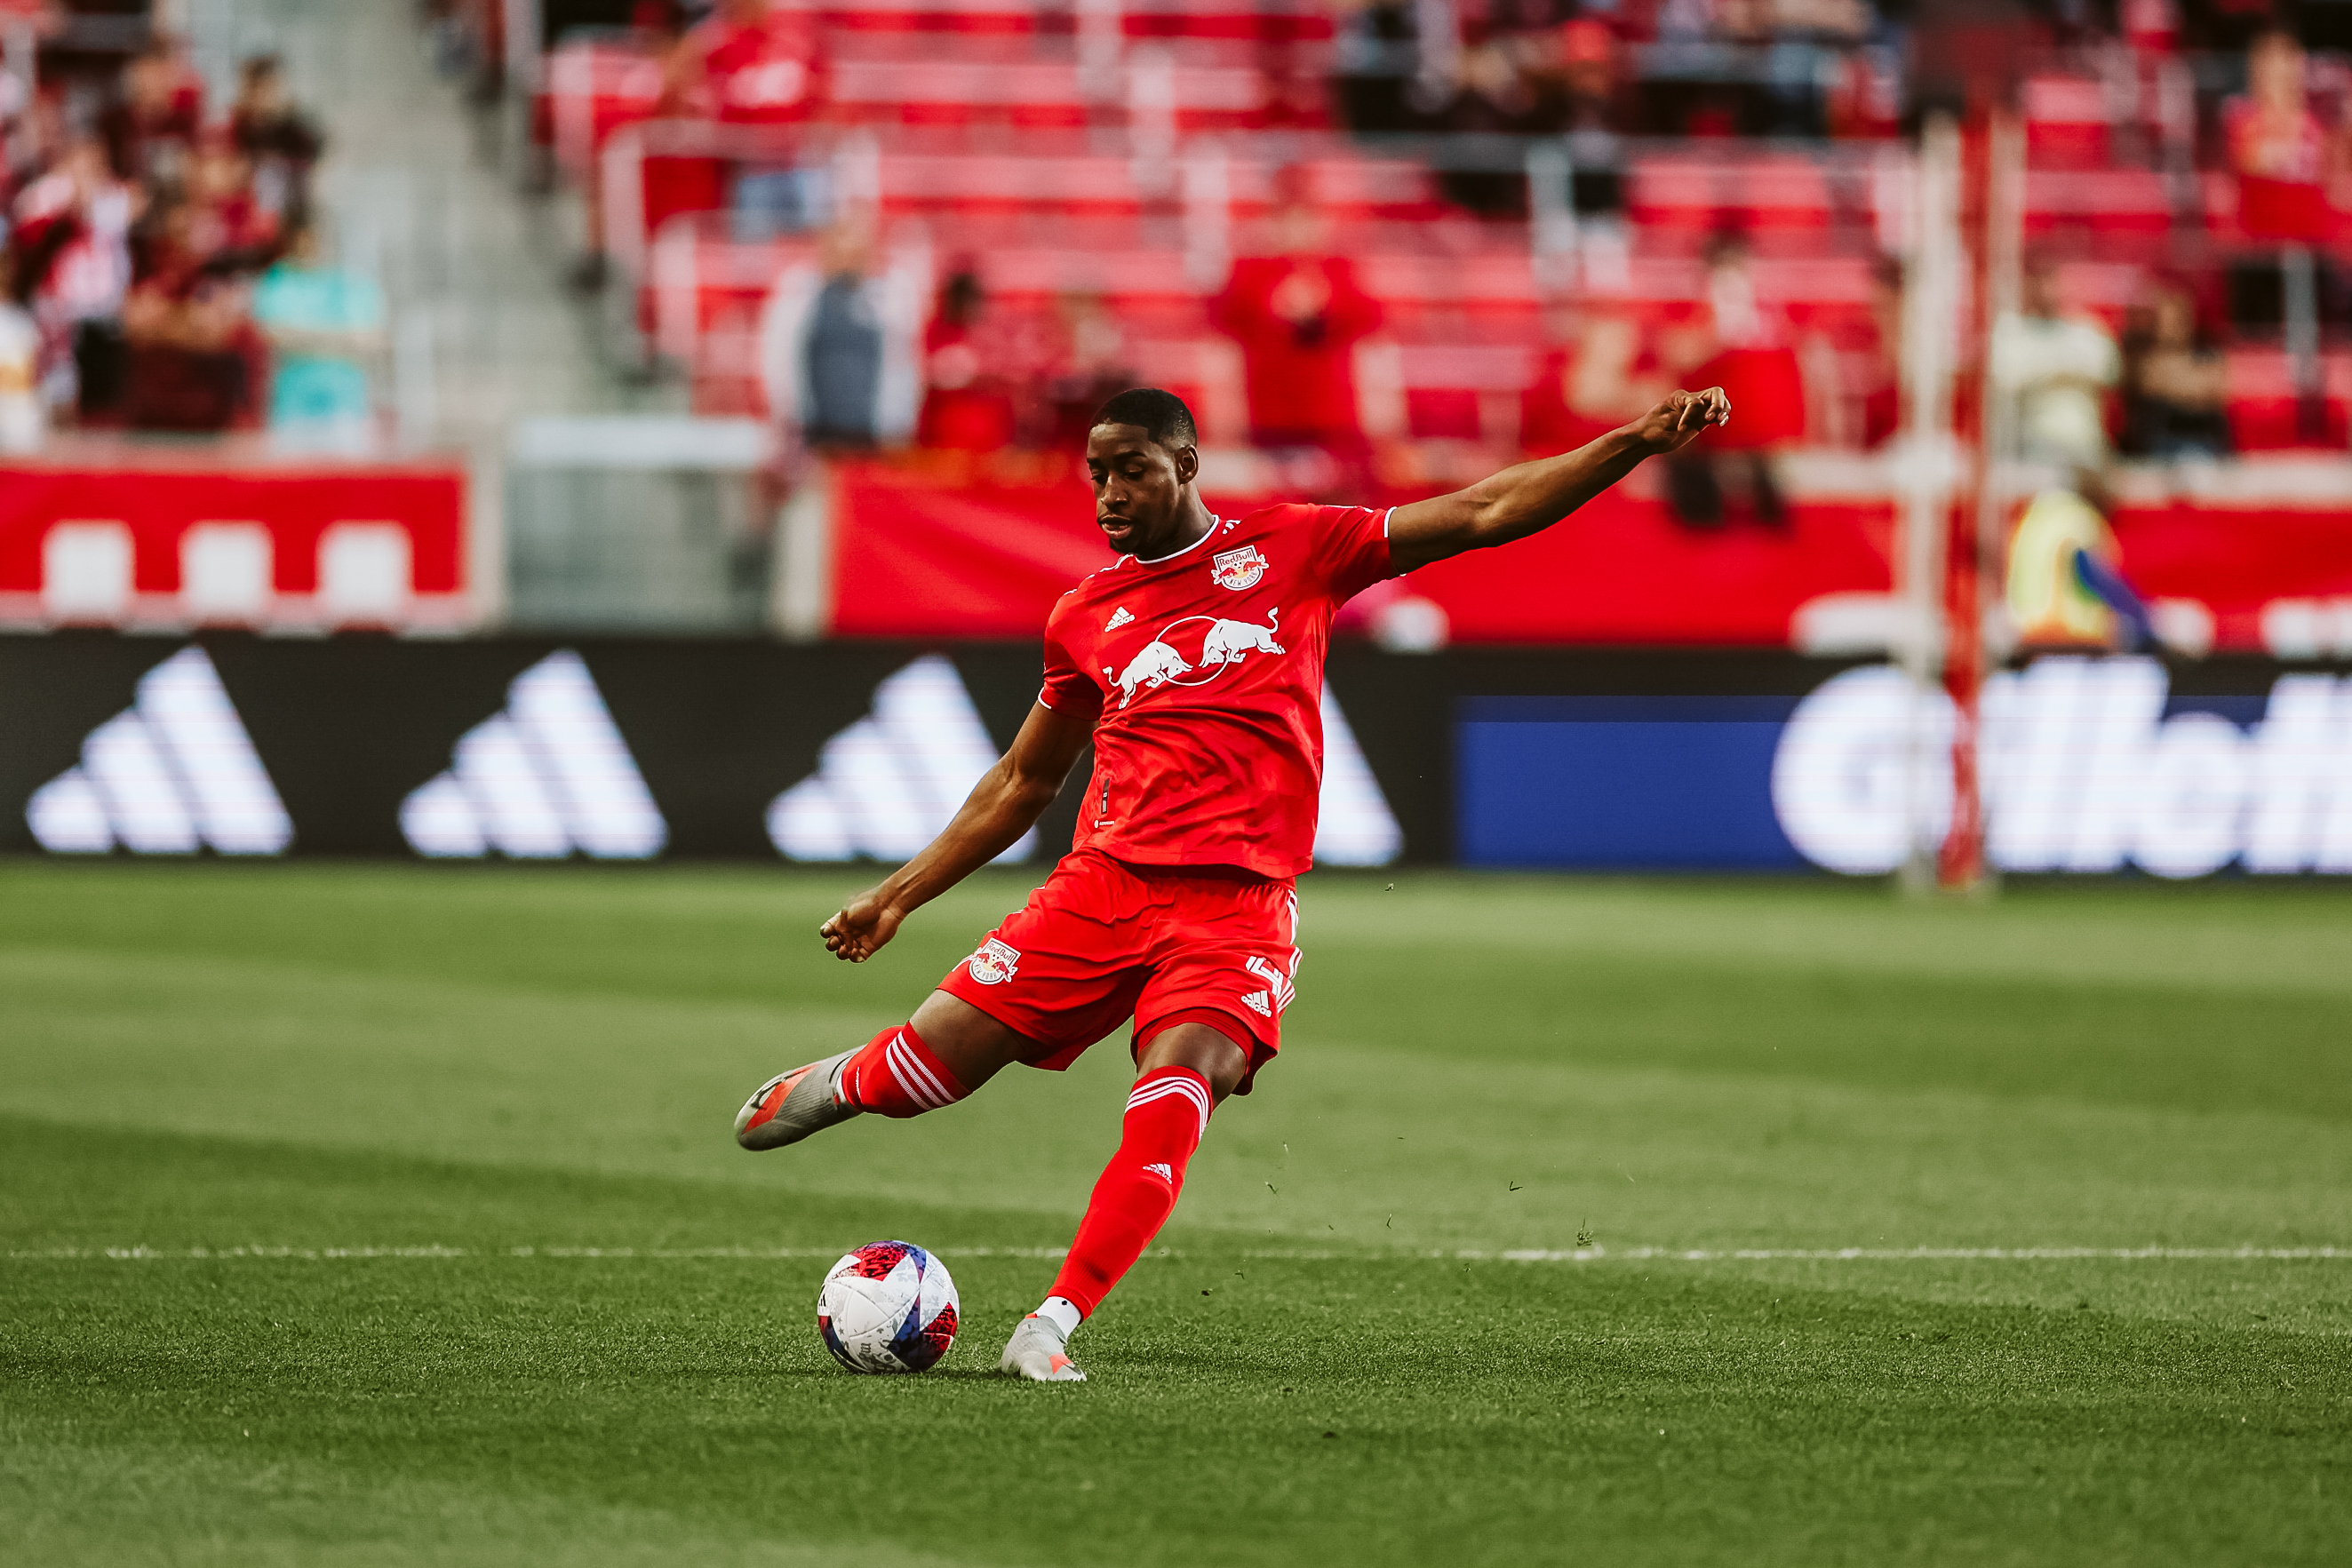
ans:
x=384 y=1214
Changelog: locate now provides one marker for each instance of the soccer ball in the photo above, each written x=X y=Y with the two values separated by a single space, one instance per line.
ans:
x=888 y=1307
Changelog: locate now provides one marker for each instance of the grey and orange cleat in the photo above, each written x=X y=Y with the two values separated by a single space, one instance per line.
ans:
x=1039 y=1352
x=791 y=1105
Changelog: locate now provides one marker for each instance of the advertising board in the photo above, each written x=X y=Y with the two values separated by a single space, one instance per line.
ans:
x=629 y=749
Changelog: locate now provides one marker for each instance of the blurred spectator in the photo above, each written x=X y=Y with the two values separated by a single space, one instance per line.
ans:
x=1298 y=316
x=2058 y=367
x=1087 y=365
x=2283 y=155
x=192 y=347
x=228 y=230
x=1881 y=381
x=966 y=406
x=1585 y=81
x=749 y=63
x=324 y=325
x=839 y=345
x=2065 y=588
x=1741 y=343
x=1604 y=377
x=71 y=241
x=2175 y=381
x=22 y=420
x=277 y=139
x=153 y=126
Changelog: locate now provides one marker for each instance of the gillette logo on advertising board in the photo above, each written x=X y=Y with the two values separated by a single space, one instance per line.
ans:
x=2081 y=771
x=2087 y=765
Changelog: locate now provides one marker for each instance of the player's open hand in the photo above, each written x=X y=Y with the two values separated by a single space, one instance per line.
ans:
x=862 y=927
x=1677 y=422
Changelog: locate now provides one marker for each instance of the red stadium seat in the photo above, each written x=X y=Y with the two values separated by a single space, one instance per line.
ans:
x=2107 y=202
x=1708 y=191
x=593 y=87
x=2066 y=124
x=2261 y=404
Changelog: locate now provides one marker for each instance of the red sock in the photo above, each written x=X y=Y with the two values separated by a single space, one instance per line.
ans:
x=897 y=1075
x=1165 y=1118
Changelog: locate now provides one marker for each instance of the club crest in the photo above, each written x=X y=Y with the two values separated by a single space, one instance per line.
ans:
x=1237 y=569
x=993 y=964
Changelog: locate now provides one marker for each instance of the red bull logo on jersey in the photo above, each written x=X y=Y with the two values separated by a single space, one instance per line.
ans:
x=1237 y=569
x=1163 y=663
x=993 y=964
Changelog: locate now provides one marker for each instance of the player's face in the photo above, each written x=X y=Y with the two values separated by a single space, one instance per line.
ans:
x=1139 y=489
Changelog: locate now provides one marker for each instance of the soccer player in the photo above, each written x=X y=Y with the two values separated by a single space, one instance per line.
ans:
x=1194 y=662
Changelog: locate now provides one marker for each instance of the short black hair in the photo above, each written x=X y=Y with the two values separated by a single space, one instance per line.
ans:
x=1160 y=415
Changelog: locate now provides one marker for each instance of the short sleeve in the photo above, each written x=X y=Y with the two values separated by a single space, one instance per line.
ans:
x=1068 y=690
x=1351 y=549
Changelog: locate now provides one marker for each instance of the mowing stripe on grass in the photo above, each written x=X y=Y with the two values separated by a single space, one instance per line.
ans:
x=1595 y=1254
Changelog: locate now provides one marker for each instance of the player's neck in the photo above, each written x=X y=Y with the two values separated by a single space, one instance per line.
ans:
x=1190 y=527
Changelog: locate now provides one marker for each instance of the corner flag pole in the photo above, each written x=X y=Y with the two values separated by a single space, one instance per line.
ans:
x=1977 y=585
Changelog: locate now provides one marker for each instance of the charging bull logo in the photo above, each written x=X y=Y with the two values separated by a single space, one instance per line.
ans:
x=1222 y=643
x=1154 y=667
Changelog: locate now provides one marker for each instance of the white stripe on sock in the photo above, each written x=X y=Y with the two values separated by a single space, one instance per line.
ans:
x=1161 y=1091
x=1187 y=1087
x=921 y=1086
x=921 y=1080
x=930 y=1075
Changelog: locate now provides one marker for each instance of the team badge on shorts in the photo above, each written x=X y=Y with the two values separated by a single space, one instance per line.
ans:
x=1237 y=569
x=993 y=964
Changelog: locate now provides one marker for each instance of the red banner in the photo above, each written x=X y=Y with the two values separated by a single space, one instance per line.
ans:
x=917 y=558
x=379 y=544
x=914 y=559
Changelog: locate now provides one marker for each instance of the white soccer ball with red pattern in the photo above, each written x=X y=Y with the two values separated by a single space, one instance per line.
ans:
x=888 y=1307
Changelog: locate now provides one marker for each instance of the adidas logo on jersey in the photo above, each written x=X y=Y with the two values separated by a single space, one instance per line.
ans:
x=546 y=775
x=1164 y=1172
x=886 y=786
x=172 y=772
x=1119 y=617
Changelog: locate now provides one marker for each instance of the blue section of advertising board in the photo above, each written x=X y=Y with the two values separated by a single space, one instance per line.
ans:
x=1620 y=783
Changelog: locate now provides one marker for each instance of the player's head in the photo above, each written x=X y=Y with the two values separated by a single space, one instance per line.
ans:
x=1142 y=454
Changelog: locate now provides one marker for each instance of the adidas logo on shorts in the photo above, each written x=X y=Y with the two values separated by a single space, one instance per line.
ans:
x=1163 y=1171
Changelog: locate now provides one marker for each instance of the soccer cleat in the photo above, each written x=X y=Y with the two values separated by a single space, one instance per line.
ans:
x=1039 y=1352
x=791 y=1105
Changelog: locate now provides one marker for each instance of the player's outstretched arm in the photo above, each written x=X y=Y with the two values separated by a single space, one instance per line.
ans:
x=1004 y=804
x=1531 y=497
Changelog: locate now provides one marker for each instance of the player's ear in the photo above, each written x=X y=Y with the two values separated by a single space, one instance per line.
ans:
x=1187 y=459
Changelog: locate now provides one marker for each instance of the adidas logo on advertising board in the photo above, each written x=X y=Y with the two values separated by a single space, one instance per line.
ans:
x=1354 y=825
x=173 y=772
x=887 y=784
x=546 y=775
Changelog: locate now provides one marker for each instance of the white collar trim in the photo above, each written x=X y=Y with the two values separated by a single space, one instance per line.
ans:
x=1215 y=523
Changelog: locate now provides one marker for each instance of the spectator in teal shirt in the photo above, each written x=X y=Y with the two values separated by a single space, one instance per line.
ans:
x=325 y=324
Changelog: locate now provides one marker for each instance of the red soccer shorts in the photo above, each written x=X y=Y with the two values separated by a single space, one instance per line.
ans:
x=1170 y=945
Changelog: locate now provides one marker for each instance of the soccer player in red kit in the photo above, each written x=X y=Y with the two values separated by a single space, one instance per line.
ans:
x=1194 y=664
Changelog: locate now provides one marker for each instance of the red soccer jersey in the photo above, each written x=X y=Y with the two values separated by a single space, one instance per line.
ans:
x=1203 y=670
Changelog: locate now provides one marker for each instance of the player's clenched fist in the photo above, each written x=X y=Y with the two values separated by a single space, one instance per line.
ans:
x=1678 y=421
x=861 y=927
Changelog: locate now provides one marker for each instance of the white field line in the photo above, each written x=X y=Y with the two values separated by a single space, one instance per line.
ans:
x=1595 y=1254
